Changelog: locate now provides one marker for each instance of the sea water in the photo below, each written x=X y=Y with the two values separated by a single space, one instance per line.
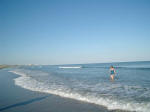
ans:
x=91 y=83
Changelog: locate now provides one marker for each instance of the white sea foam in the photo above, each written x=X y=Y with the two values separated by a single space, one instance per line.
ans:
x=30 y=83
x=70 y=67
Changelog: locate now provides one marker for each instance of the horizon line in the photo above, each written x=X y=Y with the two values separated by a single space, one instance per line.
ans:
x=81 y=63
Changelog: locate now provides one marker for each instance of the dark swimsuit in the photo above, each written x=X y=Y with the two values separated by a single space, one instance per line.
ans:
x=112 y=72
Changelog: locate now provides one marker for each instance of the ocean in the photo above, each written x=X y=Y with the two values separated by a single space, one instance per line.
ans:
x=91 y=83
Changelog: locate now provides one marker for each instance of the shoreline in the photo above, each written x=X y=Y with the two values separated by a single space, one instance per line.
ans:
x=4 y=66
x=22 y=100
x=28 y=100
x=7 y=66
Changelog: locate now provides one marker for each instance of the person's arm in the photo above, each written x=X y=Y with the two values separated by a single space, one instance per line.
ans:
x=114 y=71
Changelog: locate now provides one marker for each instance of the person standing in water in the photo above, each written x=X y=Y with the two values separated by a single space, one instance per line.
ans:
x=112 y=73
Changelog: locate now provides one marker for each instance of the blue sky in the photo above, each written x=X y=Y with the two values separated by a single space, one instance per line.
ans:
x=74 y=31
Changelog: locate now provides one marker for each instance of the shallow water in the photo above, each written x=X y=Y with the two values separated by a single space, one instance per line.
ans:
x=91 y=83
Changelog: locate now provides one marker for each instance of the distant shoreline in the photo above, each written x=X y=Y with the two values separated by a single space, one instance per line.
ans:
x=5 y=66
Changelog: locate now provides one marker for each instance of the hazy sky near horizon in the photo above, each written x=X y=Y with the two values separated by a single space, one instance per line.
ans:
x=74 y=31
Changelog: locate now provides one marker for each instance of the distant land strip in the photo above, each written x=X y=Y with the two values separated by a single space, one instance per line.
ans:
x=6 y=66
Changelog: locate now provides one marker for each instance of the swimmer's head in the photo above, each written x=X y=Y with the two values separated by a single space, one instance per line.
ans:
x=111 y=66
